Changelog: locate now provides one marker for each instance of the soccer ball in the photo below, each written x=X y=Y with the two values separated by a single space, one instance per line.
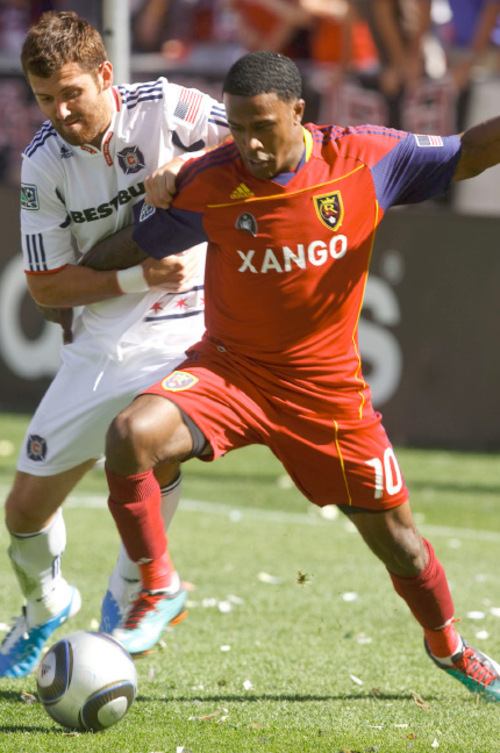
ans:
x=87 y=681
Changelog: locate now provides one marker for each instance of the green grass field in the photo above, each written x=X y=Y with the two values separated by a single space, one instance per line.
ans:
x=295 y=640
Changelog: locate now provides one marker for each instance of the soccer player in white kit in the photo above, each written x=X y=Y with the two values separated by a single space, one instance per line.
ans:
x=81 y=175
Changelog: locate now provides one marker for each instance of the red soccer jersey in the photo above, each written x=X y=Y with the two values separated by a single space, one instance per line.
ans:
x=288 y=258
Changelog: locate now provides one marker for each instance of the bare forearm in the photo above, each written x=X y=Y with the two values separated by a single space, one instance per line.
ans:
x=118 y=251
x=389 y=33
x=73 y=286
x=94 y=279
x=421 y=26
x=334 y=10
x=480 y=149
x=484 y=28
x=293 y=14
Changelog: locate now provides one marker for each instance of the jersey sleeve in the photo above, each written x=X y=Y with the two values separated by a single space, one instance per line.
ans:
x=197 y=119
x=45 y=229
x=417 y=168
x=163 y=232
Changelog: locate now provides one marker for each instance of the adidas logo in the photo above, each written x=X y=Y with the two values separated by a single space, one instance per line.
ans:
x=242 y=192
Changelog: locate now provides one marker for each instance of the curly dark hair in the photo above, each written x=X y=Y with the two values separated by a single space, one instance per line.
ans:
x=59 y=38
x=262 y=72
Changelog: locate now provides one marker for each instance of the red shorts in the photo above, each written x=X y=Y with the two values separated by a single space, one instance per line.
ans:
x=333 y=454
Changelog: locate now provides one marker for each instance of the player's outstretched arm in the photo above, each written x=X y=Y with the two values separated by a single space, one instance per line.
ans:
x=99 y=275
x=117 y=251
x=95 y=279
x=480 y=149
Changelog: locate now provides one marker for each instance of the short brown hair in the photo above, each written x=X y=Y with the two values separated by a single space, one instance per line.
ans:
x=59 y=38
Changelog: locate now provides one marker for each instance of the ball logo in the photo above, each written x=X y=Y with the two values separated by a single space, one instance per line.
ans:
x=247 y=223
x=330 y=209
x=131 y=160
x=36 y=448
x=178 y=381
x=47 y=671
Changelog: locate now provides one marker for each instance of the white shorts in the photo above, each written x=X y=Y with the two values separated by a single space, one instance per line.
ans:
x=70 y=424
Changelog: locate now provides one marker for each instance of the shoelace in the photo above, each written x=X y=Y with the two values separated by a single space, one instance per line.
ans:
x=473 y=667
x=144 y=603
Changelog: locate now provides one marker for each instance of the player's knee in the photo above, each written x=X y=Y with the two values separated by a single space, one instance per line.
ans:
x=21 y=514
x=122 y=439
x=129 y=441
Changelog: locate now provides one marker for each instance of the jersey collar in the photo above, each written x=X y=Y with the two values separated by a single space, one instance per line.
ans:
x=107 y=138
x=284 y=178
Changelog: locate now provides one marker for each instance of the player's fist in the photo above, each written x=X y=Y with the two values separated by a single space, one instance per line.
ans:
x=160 y=185
x=174 y=273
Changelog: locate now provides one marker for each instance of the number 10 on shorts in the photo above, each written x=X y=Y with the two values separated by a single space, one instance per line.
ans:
x=387 y=474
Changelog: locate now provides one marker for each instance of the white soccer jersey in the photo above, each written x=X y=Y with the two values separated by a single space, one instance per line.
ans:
x=82 y=194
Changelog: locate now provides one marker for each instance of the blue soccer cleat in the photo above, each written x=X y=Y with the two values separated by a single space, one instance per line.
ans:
x=147 y=617
x=475 y=670
x=22 y=646
x=111 y=615
x=121 y=594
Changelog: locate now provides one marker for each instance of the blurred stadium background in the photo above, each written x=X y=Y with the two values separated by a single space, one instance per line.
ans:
x=430 y=325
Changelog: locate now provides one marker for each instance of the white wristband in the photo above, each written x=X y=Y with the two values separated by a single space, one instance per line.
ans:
x=132 y=280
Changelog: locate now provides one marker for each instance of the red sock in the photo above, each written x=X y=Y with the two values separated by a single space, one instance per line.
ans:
x=157 y=575
x=134 y=503
x=443 y=643
x=429 y=599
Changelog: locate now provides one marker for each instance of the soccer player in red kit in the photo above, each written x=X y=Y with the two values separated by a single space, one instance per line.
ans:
x=290 y=215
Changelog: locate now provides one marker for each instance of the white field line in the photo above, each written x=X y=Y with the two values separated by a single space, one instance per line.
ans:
x=314 y=518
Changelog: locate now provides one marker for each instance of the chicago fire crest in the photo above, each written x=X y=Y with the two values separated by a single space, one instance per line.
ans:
x=131 y=160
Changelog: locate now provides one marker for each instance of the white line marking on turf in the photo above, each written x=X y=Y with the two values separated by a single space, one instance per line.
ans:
x=281 y=516
x=81 y=501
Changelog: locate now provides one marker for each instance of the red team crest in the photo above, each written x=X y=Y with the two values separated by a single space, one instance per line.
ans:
x=330 y=209
x=178 y=381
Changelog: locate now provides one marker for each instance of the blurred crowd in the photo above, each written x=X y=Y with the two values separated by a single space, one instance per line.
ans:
x=17 y=15
x=404 y=63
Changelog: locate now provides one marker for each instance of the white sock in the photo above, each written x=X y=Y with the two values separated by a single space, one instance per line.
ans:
x=124 y=581
x=36 y=560
x=170 y=497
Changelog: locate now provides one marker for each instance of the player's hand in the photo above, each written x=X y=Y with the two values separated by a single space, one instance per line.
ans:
x=61 y=316
x=160 y=185
x=174 y=273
